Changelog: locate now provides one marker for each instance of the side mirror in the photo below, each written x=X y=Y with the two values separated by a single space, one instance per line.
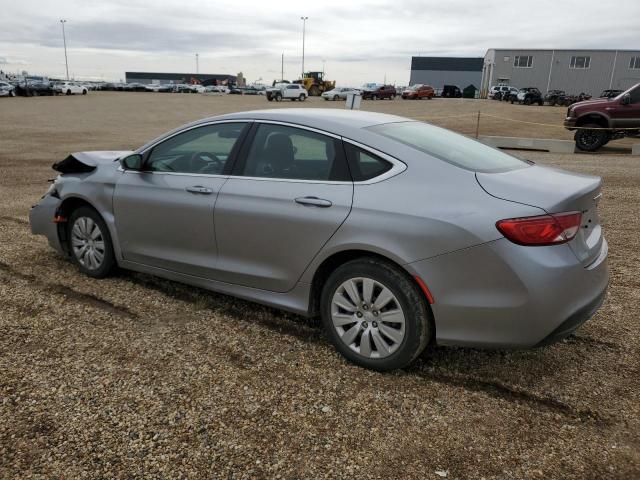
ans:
x=626 y=99
x=132 y=162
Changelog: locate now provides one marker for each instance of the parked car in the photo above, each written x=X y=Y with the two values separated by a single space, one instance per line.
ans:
x=220 y=89
x=497 y=91
x=555 y=97
x=157 y=87
x=451 y=91
x=512 y=92
x=380 y=93
x=70 y=88
x=7 y=90
x=35 y=89
x=528 y=96
x=290 y=91
x=134 y=87
x=418 y=92
x=339 y=93
x=395 y=232
x=592 y=118
x=610 y=93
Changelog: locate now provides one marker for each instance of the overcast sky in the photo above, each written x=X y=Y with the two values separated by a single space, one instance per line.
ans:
x=360 y=41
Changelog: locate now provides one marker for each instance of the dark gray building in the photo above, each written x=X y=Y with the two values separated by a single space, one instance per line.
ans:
x=157 y=77
x=573 y=71
x=440 y=71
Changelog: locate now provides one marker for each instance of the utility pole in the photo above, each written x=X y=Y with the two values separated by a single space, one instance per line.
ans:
x=197 y=64
x=304 y=28
x=64 y=40
x=282 y=68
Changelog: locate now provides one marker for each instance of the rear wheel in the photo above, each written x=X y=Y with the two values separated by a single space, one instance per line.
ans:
x=302 y=98
x=591 y=140
x=68 y=92
x=336 y=98
x=90 y=243
x=375 y=315
x=84 y=92
x=278 y=97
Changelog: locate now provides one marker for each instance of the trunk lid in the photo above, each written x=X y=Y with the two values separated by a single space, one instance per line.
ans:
x=555 y=191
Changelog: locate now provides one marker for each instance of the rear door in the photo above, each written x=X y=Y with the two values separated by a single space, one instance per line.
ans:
x=289 y=192
x=164 y=214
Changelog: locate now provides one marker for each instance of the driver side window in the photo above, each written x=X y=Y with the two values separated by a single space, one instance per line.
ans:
x=203 y=150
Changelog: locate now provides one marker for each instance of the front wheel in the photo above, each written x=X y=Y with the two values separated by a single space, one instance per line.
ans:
x=336 y=98
x=84 y=92
x=90 y=243
x=278 y=97
x=375 y=315
x=590 y=140
x=302 y=98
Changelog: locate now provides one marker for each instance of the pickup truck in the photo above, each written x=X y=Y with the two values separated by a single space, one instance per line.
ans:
x=601 y=120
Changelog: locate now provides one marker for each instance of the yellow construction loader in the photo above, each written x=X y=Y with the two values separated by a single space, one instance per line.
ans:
x=315 y=83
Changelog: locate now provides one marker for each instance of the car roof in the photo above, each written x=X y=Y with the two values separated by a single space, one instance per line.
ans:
x=328 y=119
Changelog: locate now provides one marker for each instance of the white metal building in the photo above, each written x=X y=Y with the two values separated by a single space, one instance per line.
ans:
x=573 y=71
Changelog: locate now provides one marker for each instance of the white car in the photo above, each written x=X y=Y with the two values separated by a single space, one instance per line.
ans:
x=291 y=91
x=217 y=89
x=339 y=93
x=7 y=90
x=500 y=88
x=70 y=88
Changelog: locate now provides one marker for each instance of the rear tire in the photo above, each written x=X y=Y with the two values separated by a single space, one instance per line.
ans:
x=278 y=97
x=591 y=140
x=90 y=244
x=380 y=336
x=302 y=98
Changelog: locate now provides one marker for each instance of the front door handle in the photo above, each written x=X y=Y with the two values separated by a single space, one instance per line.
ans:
x=314 y=202
x=200 y=189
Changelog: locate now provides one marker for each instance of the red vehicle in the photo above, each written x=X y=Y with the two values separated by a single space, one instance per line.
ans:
x=379 y=93
x=418 y=92
x=621 y=115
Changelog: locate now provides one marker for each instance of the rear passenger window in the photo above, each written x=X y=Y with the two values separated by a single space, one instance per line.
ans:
x=365 y=165
x=280 y=151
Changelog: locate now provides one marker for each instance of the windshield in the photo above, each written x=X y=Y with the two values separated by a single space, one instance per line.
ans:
x=449 y=146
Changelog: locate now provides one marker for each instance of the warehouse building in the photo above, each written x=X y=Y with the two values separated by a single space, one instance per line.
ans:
x=574 y=71
x=440 y=71
x=161 y=78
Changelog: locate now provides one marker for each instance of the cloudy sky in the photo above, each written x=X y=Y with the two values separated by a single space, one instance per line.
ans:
x=359 y=41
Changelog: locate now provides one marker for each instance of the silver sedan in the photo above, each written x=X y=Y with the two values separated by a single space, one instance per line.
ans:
x=397 y=233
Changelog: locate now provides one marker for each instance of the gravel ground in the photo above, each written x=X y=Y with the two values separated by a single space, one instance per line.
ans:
x=135 y=376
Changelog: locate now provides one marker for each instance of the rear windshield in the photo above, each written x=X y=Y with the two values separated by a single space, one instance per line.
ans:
x=449 y=146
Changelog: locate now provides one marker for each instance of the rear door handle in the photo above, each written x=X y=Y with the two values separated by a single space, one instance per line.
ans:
x=200 y=189
x=314 y=202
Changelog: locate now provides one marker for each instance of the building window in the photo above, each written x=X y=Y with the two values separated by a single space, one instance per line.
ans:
x=580 y=62
x=523 y=61
x=634 y=64
x=506 y=59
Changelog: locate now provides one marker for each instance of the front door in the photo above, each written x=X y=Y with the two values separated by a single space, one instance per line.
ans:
x=627 y=116
x=289 y=193
x=164 y=213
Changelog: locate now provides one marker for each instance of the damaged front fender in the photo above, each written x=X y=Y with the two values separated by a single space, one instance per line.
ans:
x=85 y=162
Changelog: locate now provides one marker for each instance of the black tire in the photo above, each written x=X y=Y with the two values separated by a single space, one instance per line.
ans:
x=527 y=100
x=302 y=98
x=540 y=103
x=336 y=98
x=84 y=92
x=68 y=92
x=109 y=264
x=591 y=140
x=418 y=317
x=278 y=97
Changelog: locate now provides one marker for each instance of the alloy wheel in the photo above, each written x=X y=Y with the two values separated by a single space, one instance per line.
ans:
x=368 y=317
x=87 y=243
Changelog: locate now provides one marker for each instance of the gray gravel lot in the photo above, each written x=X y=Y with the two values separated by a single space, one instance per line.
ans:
x=134 y=376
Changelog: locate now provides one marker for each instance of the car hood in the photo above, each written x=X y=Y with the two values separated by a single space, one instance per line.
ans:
x=80 y=162
x=590 y=103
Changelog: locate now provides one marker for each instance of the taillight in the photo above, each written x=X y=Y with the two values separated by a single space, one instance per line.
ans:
x=550 y=229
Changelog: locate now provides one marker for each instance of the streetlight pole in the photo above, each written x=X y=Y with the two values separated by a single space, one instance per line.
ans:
x=197 y=63
x=304 y=27
x=64 y=40
x=282 y=68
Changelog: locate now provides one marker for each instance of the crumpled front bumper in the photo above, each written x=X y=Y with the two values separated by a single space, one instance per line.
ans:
x=41 y=219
